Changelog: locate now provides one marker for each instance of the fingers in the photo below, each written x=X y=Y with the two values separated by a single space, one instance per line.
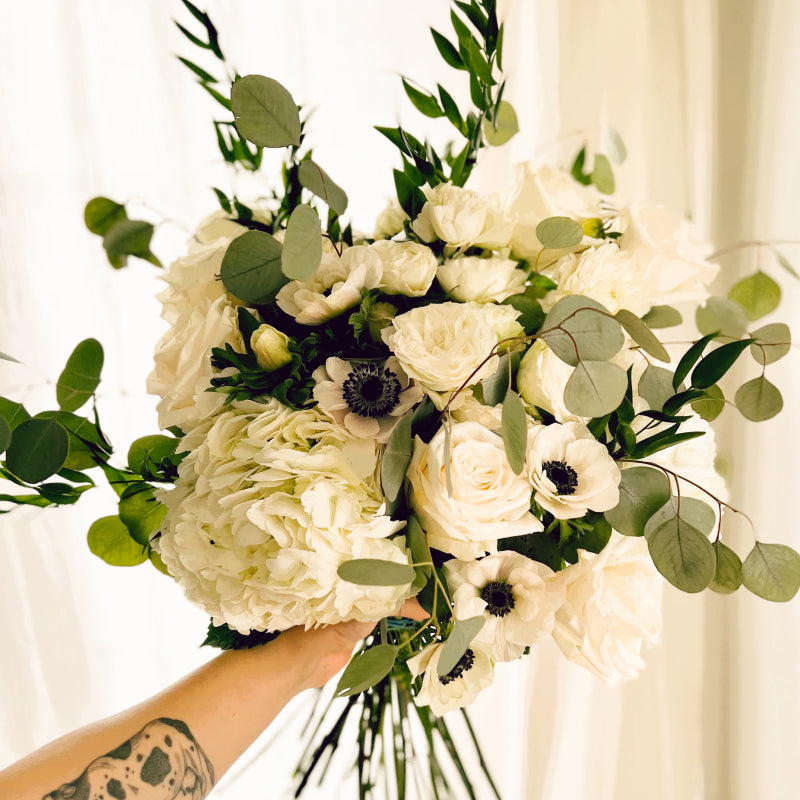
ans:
x=413 y=610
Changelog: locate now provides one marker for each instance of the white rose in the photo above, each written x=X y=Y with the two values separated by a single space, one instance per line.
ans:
x=570 y=471
x=271 y=347
x=484 y=280
x=460 y=687
x=408 y=267
x=488 y=501
x=518 y=598
x=441 y=345
x=335 y=287
x=541 y=379
x=390 y=221
x=667 y=254
x=612 y=607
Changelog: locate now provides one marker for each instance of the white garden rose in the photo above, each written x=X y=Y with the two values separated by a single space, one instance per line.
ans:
x=570 y=471
x=335 y=287
x=452 y=214
x=487 y=502
x=443 y=344
x=265 y=509
x=472 y=410
x=408 y=267
x=518 y=598
x=612 y=608
x=667 y=253
x=541 y=379
x=461 y=686
x=484 y=280
x=390 y=221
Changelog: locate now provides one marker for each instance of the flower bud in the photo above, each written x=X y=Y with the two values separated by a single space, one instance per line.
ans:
x=271 y=348
x=380 y=316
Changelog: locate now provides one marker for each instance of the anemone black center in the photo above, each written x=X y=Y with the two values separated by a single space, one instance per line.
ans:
x=464 y=665
x=562 y=475
x=499 y=598
x=371 y=390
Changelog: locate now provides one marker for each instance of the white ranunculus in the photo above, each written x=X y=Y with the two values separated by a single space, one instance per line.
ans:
x=340 y=379
x=460 y=687
x=441 y=345
x=518 y=598
x=671 y=260
x=605 y=274
x=335 y=287
x=570 y=471
x=612 y=608
x=408 y=267
x=541 y=379
x=266 y=507
x=488 y=501
x=271 y=347
x=543 y=191
x=390 y=221
x=484 y=280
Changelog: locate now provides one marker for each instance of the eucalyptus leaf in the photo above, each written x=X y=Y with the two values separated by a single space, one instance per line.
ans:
x=38 y=449
x=458 y=642
x=771 y=343
x=149 y=451
x=710 y=406
x=157 y=561
x=251 y=268
x=785 y=264
x=5 y=435
x=579 y=328
x=397 y=457
x=710 y=369
x=728 y=575
x=595 y=388
x=302 y=246
x=86 y=445
x=692 y=511
x=557 y=233
x=375 y=572
x=110 y=540
x=417 y=543
x=613 y=145
x=141 y=513
x=6 y=357
x=603 y=175
x=721 y=316
x=514 y=426
x=642 y=491
x=265 y=112
x=101 y=213
x=80 y=376
x=757 y=294
x=129 y=237
x=316 y=180
x=12 y=412
x=641 y=334
x=504 y=125
x=758 y=399
x=494 y=387
x=662 y=317
x=655 y=386
x=772 y=571
x=366 y=669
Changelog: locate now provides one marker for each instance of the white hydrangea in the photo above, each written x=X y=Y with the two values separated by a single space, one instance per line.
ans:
x=265 y=509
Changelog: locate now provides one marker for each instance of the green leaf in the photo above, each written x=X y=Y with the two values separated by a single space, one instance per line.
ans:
x=641 y=334
x=514 y=423
x=728 y=575
x=110 y=540
x=458 y=642
x=148 y=452
x=613 y=145
x=129 y=237
x=689 y=359
x=86 y=445
x=662 y=317
x=80 y=376
x=141 y=512
x=758 y=399
x=603 y=175
x=578 y=328
x=531 y=315
x=710 y=406
x=204 y=76
x=316 y=180
x=302 y=246
x=13 y=413
x=694 y=512
x=711 y=368
x=771 y=343
x=265 y=113
x=447 y=50
x=396 y=458
x=225 y=638
x=655 y=386
x=721 y=316
x=451 y=110
x=101 y=214
x=5 y=435
x=375 y=572
x=479 y=66
x=757 y=294
x=38 y=449
x=251 y=268
x=495 y=387
x=595 y=388
x=420 y=553
x=642 y=491
x=6 y=357
x=366 y=669
x=422 y=101
x=772 y=571
x=157 y=561
x=784 y=262
x=577 y=168
x=504 y=125
x=557 y=233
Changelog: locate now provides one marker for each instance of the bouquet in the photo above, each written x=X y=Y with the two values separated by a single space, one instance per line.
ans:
x=474 y=406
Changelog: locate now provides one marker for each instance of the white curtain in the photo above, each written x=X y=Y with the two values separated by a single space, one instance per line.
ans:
x=92 y=102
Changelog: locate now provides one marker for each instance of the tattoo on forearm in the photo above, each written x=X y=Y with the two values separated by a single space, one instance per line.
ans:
x=161 y=762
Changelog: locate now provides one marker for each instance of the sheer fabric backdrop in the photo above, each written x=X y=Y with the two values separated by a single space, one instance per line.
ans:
x=92 y=101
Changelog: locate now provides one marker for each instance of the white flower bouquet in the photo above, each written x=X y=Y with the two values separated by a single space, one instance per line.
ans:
x=469 y=407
